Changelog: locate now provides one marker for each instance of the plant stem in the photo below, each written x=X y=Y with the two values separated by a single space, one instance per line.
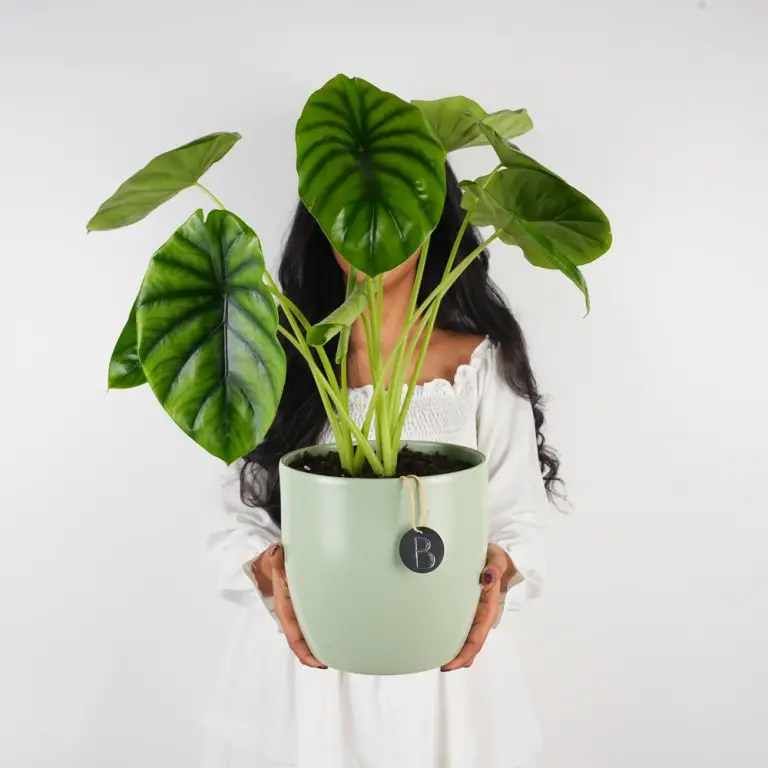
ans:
x=341 y=360
x=286 y=302
x=399 y=416
x=291 y=309
x=373 y=343
x=450 y=275
x=211 y=195
x=447 y=282
x=333 y=420
x=383 y=423
x=370 y=454
x=339 y=428
x=401 y=361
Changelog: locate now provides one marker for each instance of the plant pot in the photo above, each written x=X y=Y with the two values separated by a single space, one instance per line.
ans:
x=360 y=608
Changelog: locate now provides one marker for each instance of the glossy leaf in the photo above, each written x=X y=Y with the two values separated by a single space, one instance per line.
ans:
x=456 y=121
x=125 y=370
x=207 y=334
x=555 y=225
x=370 y=172
x=510 y=155
x=160 y=180
x=341 y=318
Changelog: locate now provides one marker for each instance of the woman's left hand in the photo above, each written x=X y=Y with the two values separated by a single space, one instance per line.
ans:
x=499 y=572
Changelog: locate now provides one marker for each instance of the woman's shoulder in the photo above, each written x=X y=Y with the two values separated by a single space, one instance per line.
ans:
x=455 y=351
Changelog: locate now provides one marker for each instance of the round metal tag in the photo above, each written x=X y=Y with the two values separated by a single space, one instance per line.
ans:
x=422 y=551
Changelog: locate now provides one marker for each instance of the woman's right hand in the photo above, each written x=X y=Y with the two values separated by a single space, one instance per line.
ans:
x=268 y=570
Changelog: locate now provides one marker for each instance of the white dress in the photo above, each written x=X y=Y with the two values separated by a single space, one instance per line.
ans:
x=269 y=711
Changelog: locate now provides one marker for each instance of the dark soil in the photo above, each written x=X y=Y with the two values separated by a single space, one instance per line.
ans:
x=408 y=463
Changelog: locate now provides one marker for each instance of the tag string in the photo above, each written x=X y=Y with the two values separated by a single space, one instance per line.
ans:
x=422 y=500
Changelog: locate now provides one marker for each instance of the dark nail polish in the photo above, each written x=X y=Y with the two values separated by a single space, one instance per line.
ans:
x=488 y=577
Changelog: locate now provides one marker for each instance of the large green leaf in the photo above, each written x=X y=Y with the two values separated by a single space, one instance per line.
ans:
x=341 y=318
x=165 y=176
x=457 y=122
x=370 y=172
x=207 y=334
x=555 y=225
x=510 y=155
x=125 y=369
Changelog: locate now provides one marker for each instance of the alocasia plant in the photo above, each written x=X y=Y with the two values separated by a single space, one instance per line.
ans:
x=205 y=332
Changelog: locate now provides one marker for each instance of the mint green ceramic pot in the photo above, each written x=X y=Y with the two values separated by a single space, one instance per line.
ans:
x=360 y=608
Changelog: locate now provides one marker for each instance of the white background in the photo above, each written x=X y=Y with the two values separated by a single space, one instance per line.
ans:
x=650 y=647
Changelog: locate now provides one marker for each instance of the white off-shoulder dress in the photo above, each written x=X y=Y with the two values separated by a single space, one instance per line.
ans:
x=269 y=711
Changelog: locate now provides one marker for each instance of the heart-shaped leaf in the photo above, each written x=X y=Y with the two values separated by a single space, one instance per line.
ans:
x=537 y=248
x=341 y=318
x=125 y=369
x=370 y=172
x=555 y=225
x=207 y=334
x=165 y=176
x=456 y=121
x=510 y=155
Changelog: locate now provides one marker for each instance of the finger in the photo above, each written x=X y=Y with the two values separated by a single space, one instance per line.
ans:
x=294 y=635
x=485 y=617
x=286 y=615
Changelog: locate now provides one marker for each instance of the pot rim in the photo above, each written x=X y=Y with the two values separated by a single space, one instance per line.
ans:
x=478 y=456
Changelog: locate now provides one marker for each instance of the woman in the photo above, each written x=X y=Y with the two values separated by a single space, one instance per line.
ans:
x=275 y=705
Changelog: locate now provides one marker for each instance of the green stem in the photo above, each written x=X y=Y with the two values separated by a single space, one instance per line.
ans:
x=373 y=460
x=340 y=431
x=383 y=424
x=447 y=282
x=430 y=324
x=286 y=302
x=333 y=420
x=401 y=361
x=380 y=390
x=341 y=360
x=372 y=341
x=399 y=419
x=211 y=195
x=291 y=309
x=450 y=276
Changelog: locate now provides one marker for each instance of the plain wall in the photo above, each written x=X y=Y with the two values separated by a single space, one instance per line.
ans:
x=649 y=648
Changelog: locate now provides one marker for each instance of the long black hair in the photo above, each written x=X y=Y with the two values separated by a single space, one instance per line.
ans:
x=311 y=278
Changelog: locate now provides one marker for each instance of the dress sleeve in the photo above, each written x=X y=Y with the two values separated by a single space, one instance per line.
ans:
x=518 y=503
x=243 y=533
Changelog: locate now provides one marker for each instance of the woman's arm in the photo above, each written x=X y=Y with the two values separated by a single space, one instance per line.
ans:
x=518 y=503
x=243 y=534
x=246 y=555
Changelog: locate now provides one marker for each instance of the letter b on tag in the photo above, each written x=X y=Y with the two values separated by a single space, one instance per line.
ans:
x=422 y=551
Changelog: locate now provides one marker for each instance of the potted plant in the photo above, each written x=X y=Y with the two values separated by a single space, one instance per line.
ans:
x=208 y=328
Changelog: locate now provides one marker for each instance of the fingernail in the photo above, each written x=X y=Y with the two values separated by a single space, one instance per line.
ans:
x=488 y=577
x=273 y=550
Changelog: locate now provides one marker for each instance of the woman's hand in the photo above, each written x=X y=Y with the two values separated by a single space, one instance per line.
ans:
x=499 y=573
x=268 y=571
